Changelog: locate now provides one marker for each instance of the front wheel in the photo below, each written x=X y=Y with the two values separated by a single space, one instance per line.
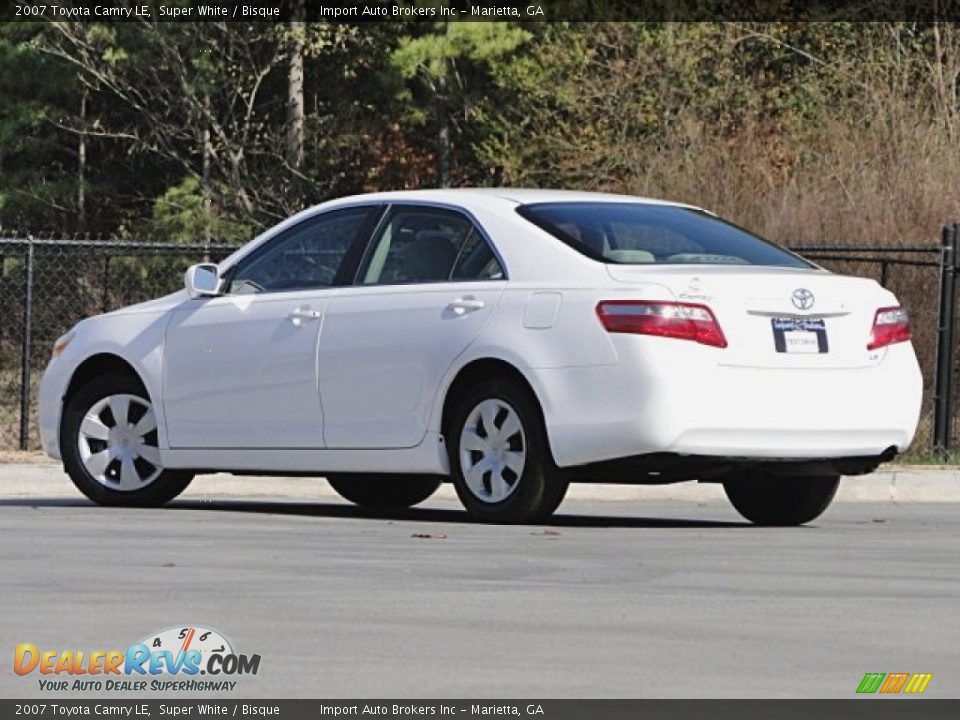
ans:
x=384 y=492
x=499 y=458
x=765 y=500
x=108 y=441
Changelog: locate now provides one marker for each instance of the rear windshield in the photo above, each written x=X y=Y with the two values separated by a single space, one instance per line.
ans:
x=637 y=233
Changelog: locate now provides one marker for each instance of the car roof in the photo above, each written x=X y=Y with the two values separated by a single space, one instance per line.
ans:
x=466 y=198
x=517 y=196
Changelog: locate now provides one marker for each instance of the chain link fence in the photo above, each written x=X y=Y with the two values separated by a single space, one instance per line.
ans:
x=46 y=286
x=913 y=274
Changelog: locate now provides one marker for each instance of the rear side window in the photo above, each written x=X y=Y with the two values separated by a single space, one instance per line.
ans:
x=426 y=244
x=476 y=260
x=639 y=233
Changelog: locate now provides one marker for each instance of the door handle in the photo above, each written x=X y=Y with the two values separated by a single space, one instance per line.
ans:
x=304 y=314
x=463 y=305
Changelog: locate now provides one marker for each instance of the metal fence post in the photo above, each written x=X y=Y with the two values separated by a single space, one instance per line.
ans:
x=943 y=378
x=26 y=347
x=105 y=294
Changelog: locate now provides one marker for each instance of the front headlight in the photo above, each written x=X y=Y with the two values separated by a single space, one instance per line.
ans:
x=61 y=344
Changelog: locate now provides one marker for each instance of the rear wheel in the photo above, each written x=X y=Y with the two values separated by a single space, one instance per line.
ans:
x=499 y=458
x=765 y=500
x=108 y=441
x=384 y=492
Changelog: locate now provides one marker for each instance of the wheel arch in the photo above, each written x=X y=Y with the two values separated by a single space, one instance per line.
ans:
x=478 y=370
x=102 y=363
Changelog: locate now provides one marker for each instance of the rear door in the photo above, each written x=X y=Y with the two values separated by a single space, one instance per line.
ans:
x=427 y=286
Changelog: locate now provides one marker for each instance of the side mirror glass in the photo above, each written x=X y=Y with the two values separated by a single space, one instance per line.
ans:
x=202 y=280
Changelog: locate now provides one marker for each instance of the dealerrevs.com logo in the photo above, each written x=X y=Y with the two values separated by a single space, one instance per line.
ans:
x=171 y=660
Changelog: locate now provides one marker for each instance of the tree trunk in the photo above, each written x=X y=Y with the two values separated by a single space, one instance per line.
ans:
x=82 y=166
x=443 y=132
x=205 y=181
x=295 y=101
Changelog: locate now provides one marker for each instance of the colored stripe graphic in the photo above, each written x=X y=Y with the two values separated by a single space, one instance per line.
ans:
x=893 y=683
x=871 y=682
x=918 y=682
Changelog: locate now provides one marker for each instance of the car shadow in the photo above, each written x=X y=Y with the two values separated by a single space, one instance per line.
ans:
x=412 y=515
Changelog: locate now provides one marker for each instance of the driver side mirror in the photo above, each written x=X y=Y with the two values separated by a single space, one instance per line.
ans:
x=202 y=280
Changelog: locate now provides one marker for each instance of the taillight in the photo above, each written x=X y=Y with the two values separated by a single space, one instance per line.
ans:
x=890 y=325
x=684 y=321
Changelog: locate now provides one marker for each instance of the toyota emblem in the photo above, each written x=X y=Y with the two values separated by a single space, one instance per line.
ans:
x=802 y=299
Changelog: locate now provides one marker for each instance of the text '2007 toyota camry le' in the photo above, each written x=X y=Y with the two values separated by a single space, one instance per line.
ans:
x=512 y=341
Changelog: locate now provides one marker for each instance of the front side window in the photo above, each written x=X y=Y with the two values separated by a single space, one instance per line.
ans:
x=307 y=256
x=639 y=233
x=421 y=245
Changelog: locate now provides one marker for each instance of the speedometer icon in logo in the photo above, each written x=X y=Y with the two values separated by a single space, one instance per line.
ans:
x=802 y=299
x=184 y=639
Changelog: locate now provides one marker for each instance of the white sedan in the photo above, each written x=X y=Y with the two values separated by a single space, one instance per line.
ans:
x=509 y=341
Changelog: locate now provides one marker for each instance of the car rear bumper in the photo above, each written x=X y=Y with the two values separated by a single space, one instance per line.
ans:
x=686 y=407
x=660 y=468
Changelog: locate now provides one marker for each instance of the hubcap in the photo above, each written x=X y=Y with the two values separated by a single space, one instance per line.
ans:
x=493 y=451
x=118 y=443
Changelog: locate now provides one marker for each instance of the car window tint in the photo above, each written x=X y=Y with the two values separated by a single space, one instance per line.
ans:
x=425 y=245
x=304 y=257
x=476 y=260
x=639 y=233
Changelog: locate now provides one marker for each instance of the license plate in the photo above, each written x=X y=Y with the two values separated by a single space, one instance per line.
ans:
x=799 y=335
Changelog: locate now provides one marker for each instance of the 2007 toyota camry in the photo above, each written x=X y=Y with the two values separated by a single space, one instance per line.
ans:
x=512 y=341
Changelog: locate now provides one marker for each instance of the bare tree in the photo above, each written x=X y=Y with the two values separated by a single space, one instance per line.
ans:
x=171 y=86
x=82 y=163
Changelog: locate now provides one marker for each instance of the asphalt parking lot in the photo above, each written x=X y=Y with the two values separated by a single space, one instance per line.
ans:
x=655 y=598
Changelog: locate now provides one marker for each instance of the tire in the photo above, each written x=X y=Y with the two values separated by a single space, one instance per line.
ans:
x=91 y=438
x=502 y=478
x=384 y=492
x=785 y=501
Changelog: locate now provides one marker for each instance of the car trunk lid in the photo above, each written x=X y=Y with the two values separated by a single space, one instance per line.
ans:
x=777 y=317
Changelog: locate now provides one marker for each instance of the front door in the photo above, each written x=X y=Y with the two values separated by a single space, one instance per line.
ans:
x=240 y=369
